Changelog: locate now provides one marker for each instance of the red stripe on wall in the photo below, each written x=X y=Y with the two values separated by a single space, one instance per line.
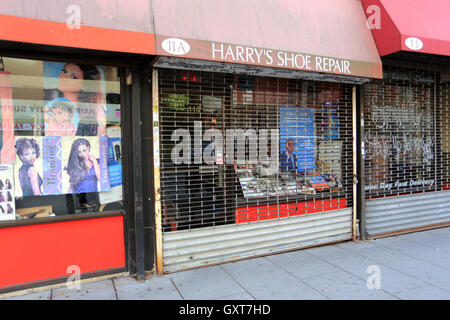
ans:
x=274 y=211
x=59 y=34
x=45 y=251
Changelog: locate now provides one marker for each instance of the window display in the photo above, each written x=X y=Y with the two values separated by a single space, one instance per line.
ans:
x=278 y=147
x=400 y=137
x=56 y=154
x=77 y=99
x=305 y=167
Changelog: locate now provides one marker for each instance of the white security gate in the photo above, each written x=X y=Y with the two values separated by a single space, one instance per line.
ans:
x=238 y=205
x=197 y=247
x=406 y=150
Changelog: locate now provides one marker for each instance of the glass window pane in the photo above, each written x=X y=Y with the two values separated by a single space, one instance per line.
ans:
x=61 y=139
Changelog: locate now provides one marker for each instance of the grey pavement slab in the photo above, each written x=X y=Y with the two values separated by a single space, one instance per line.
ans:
x=437 y=257
x=42 y=295
x=101 y=290
x=239 y=296
x=205 y=283
x=392 y=281
x=356 y=266
x=343 y=286
x=263 y=279
x=331 y=253
x=419 y=251
x=374 y=252
x=428 y=273
x=424 y=293
x=156 y=288
x=402 y=245
x=429 y=240
x=396 y=282
x=442 y=232
x=302 y=264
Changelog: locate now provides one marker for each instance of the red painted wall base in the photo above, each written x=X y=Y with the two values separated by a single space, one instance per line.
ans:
x=44 y=251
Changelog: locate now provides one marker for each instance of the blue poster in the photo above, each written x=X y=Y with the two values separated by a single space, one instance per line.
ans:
x=297 y=139
x=115 y=161
x=114 y=167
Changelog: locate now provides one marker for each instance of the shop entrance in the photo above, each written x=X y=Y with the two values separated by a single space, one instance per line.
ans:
x=406 y=132
x=280 y=178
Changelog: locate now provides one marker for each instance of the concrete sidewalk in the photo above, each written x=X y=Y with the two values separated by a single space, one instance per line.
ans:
x=410 y=266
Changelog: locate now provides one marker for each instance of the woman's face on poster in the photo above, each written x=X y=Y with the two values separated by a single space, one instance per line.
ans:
x=84 y=152
x=70 y=78
x=29 y=155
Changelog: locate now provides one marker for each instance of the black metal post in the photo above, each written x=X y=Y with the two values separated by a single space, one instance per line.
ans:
x=360 y=208
x=137 y=166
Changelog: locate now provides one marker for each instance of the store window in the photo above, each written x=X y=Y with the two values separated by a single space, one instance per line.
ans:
x=285 y=148
x=61 y=139
x=401 y=138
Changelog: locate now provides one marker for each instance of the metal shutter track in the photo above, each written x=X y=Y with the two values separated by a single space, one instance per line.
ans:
x=197 y=247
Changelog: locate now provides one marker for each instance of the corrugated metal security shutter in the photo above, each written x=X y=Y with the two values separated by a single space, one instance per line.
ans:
x=229 y=209
x=406 y=145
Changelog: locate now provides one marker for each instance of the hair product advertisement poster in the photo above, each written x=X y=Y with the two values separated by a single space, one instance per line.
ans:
x=7 y=155
x=76 y=99
x=7 y=204
x=114 y=167
x=59 y=165
x=29 y=168
x=85 y=163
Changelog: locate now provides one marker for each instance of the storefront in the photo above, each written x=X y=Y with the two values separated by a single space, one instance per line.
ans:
x=70 y=202
x=254 y=127
x=209 y=131
x=405 y=132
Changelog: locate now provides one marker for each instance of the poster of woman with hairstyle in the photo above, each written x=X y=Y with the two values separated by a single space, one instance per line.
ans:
x=85 y=164
x=38 y=166
x=29 y=173
x=77 y=99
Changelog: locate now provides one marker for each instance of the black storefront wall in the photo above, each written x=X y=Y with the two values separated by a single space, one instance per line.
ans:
x=405 y=138
x=141 y=230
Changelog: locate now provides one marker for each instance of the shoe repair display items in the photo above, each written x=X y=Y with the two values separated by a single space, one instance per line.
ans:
x=305 y=169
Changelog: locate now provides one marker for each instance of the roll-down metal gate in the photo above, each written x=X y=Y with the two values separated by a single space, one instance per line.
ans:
x=406 y=150
x=221 y=204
